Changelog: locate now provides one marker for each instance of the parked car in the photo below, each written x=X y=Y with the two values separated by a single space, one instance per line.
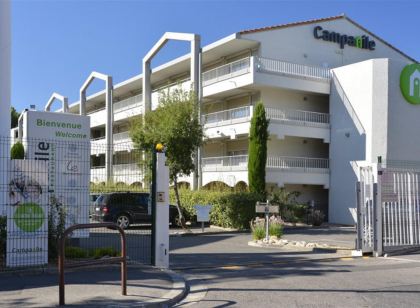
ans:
x=127 y=208
x=92 y=199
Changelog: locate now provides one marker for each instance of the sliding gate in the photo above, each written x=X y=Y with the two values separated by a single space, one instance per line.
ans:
x=388 y=201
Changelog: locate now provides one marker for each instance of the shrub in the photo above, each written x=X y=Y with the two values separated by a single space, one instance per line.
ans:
x=103 y=251
x=17 y=151
x=275 y=227
x=230 y=209
x=72 y=252
x=290 y=209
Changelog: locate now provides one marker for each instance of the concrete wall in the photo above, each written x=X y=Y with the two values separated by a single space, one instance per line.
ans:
x=403 y=119
x=285 y=99
x=297 y=44
x=299 y=147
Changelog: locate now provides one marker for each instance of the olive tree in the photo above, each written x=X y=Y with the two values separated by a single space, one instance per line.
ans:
x=176 y=125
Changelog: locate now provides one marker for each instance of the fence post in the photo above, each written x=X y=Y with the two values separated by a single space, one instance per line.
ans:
x=359 y=239
x=377 y=212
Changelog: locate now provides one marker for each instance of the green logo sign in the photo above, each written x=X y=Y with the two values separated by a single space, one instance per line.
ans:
x=410 y=83
x=29 y=217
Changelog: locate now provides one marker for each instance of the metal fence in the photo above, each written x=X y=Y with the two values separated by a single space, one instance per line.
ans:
x=62 y=183
x=389 y=207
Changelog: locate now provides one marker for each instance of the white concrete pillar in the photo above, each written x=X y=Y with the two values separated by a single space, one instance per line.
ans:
x=162 y=212
x=109 y=128
x=4 y=99
x=146 y=87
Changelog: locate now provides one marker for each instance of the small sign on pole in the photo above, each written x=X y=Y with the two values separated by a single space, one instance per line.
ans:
x=203 y=214
x=266 y=208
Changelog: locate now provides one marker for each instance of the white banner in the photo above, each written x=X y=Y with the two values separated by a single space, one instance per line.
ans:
x=27 y=214
x=63 y=140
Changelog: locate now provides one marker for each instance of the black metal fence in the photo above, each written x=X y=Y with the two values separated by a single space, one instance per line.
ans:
x=57 y=184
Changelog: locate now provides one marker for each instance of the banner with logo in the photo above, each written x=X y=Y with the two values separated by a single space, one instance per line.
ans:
x=63 y=141
x=27 y=213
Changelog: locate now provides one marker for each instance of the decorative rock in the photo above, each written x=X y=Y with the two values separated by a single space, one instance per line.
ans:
x=311 y=245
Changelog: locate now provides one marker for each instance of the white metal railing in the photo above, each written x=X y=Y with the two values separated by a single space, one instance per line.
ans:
x=291 y=162
x=129 y=103
x=226 y=163
x=97 y=138
x=230 y=115
x=278 y=66
x=125 y=169
x=226 y=71
x=121 y=136
x=300 y=116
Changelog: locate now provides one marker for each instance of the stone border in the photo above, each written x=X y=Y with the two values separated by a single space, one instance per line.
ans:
x=274 y=242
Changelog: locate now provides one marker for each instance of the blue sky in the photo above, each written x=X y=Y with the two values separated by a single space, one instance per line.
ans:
x=56 y=44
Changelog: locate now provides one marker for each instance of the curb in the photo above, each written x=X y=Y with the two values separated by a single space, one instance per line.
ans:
x=178 y=292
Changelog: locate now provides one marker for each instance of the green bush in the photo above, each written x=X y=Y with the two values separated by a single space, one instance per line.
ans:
x=102 y=252
x=17 y=151
x=275 y=229
x=72 y=252
x=258 y=233
x=230 y=209
x=316 y=217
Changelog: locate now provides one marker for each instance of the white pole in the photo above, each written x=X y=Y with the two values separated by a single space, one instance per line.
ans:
x=4 y=98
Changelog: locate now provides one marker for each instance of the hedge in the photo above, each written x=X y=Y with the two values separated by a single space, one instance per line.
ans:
x=230 y=209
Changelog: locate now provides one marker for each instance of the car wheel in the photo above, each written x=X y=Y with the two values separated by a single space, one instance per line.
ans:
x=123 y=221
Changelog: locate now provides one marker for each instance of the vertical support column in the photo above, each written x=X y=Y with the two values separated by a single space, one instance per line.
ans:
x=82 y=108
x=147 y=87
x=196 y=88
x=359 y=240
x=162 y=212
x=109 y=128
x=4 y=99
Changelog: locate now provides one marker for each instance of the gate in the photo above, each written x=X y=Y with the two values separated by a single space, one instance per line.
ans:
x=365 y=196
x=389 y=208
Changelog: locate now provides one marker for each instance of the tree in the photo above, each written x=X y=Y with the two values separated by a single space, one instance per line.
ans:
x=175 y=124
x=257 y=151
x=14 y=117
x=17 y=151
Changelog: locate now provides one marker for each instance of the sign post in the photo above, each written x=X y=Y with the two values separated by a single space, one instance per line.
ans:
x=267 y=209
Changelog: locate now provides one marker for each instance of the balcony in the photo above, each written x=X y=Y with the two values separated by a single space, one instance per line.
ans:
x=122 y=173
x=270 y=72
x=227 y=123
x=298 y=123
x=127 y=108
x=280 y=170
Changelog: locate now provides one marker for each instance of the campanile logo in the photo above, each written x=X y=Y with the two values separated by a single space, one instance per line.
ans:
x=410 y=83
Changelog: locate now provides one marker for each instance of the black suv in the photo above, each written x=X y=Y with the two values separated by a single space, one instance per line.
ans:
x=127 y=208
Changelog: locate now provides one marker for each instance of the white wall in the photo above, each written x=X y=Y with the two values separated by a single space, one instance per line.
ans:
x=297 y=44
x=296 y=146
x=285 y=99
x=403 y=120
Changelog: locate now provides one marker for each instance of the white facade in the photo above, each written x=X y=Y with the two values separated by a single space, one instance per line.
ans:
x=328 y=107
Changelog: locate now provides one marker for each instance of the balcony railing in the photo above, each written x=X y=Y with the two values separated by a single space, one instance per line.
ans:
x=277 y=66
x=226 y=71
x=125 y=169
x=120 y=137
x=227 y=116
x=129 y=103
x=240 y=162
x=302 y=163
x=299 y=116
